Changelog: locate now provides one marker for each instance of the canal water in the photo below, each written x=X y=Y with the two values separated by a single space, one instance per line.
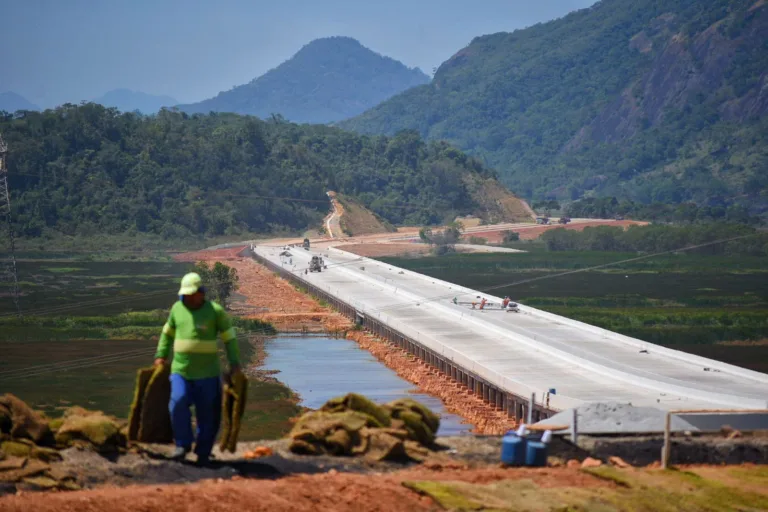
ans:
x=319 y=369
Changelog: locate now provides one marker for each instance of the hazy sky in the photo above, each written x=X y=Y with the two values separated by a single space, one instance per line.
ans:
x=54 y=51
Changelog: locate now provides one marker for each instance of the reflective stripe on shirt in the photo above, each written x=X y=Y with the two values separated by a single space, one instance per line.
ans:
x=195 y=346
x=168 y=330
x=228 y=335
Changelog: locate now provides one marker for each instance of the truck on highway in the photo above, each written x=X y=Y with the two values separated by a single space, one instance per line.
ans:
x=316 y=264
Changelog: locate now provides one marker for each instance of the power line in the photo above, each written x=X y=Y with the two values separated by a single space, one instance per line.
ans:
x=588 y=269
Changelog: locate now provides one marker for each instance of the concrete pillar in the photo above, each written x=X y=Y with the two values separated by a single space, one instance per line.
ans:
x=509 y=406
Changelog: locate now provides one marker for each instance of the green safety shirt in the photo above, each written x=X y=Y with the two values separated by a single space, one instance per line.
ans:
x=192 y=335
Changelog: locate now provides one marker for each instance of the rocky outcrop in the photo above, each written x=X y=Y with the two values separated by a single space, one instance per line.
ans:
x=685 y=73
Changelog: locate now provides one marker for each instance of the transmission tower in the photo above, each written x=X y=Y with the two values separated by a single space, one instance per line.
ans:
x=5 y=210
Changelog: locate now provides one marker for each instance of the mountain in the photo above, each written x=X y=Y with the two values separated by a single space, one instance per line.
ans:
x=639 y=99
x=126 y=100
x=86 y=170
x=11 y=102
x=327 y=80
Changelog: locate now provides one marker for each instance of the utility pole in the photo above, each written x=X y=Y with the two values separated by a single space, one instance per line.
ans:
x=5 y=209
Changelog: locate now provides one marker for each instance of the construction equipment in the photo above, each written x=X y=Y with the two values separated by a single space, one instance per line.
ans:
x=317 y=264
x=306 y=244
x=563 y=220
x=542 y=220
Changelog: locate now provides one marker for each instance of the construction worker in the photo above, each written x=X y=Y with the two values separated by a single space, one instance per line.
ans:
x=191 y=329
x=505 y=303
x=483 y=302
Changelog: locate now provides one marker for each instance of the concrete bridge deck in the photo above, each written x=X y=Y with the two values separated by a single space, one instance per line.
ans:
x=527 y=352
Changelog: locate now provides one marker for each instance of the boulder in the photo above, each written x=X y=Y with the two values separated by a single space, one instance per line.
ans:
x=25 y=422
x=91 y=427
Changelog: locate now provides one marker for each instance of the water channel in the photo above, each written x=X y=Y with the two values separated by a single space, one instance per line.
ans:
x=320 y=368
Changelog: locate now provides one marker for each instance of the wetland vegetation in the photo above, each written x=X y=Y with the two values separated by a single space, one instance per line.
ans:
x=88 y=326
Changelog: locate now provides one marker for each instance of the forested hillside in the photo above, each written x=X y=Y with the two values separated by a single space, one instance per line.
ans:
x=328 y=80
x=88 y=170
x=645 y=100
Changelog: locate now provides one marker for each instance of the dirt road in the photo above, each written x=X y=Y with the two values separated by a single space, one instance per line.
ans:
x=333 y=221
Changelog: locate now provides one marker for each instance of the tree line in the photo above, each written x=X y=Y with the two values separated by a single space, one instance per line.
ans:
x=738 y=239
x=686 y=213
x=86 y=170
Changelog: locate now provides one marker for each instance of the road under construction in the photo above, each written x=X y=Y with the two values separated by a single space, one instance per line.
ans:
x=508 y=357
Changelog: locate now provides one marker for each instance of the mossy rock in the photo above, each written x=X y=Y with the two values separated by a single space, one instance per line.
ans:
x=417 y=429
x=357 y=403
x=16 y=449
x=45 y=454
x=430 y=419
x=42 y=482
x=55 y=424
x=100 y=431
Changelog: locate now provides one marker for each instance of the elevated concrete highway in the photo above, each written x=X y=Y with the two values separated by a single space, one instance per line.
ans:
x=509 y=356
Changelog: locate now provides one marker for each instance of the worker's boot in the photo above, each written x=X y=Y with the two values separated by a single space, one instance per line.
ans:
x=203 y=460
x=180 y=453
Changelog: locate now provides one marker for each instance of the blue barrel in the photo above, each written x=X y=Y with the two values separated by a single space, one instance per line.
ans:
x=513 y=449
x=536 y=454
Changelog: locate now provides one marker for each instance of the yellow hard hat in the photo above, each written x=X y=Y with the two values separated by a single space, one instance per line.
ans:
x=190 y=284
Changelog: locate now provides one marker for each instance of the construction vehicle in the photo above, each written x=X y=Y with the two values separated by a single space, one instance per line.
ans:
x=306 y=244
x=563 y=220
x=317 y=264
x=542 y=220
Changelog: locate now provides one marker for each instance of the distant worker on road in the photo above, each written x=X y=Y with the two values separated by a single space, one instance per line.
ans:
x=192 y=327
x=505 y=302
x=483 y=302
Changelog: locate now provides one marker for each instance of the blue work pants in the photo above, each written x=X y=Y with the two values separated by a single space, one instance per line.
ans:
x=205 y=395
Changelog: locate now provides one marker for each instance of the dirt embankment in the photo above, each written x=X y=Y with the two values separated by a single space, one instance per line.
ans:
x=333 y=492
x=272 y=299
x=495 y=236
x=496 y=202
x=457 y=399
x=355 y=219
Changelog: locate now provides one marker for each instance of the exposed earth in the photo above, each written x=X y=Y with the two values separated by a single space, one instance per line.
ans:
x=464 y=475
